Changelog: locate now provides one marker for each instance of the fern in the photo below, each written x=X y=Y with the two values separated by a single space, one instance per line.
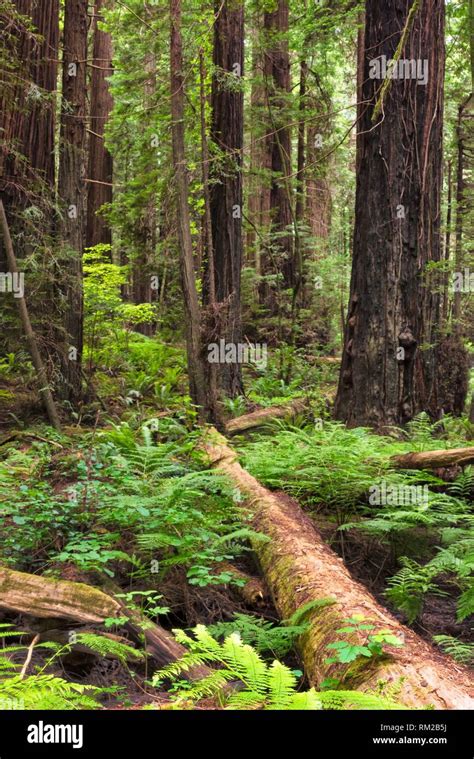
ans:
x=459 y=650
x=245 y=682
x=263 y=635
x=105 y=646
x=47 y=691
x=408 y=588
x=466 y=603
x=260 y=633
x=463 y=485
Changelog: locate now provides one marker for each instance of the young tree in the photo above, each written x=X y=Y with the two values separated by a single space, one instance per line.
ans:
x=227 y=131
x=389 y=368
x=100 y=161
x=198 y=388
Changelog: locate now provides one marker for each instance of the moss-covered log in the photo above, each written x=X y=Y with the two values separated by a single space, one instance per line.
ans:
x=264 y=415
x=434 y=459
x=44 y=597
x=47 y=598
x=299 y=567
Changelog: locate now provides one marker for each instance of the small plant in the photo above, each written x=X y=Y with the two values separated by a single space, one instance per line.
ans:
x=235 y=406
x=372 y=645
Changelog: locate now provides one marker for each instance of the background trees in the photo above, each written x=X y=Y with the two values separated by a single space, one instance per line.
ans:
x=268 y=171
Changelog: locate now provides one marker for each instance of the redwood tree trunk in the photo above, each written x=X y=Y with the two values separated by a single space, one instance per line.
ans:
x=388 y=371
x=27 y=124
x=227 y=132
x=277 y=80
x=144 y=258
x=100 y=161
x=71 y=188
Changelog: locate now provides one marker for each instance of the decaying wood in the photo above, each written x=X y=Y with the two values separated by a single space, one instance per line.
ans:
x=329 y=360
x=434 y=459
x=263 y=415
x=253 y=592
x=47 y=598
x=299 y=567
x=44 y=597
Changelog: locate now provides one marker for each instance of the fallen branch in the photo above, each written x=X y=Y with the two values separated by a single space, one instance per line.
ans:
x=434 y=459
x=25 y=666
x=264 y=415
x=299 y=567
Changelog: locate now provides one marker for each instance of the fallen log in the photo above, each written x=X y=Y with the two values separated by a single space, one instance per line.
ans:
x=299 y=567
x=434 y=459
x=44 y=597
x=264 y=415
x=327 y=360
x=48 y=598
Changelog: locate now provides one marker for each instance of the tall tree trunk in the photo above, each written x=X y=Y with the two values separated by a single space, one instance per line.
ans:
x=71 y=189
x=198 y=389
x=258 y=185
x=301 y=149
x=464 y=199
x=277 y=81
x=100 y=161
x=28 y=131
x=27 y=124
x=227 y=131
x=447 y=246
x=388 y=370
x=142 y=291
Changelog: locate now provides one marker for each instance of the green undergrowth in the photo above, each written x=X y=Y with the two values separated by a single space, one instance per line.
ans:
x=120 y=502
x=335 y=471
x=245 y=681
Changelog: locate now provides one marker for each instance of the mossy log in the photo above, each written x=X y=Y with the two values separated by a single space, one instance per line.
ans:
x=299 y=567
x=434 y=459
x=48 y=598
x=45 y=597
x=264 y=415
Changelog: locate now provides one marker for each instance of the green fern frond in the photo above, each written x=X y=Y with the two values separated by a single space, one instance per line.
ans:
x=245 y=681
x=461 y=651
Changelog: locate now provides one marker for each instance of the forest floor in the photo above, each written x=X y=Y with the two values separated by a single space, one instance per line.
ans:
x=126 y=487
